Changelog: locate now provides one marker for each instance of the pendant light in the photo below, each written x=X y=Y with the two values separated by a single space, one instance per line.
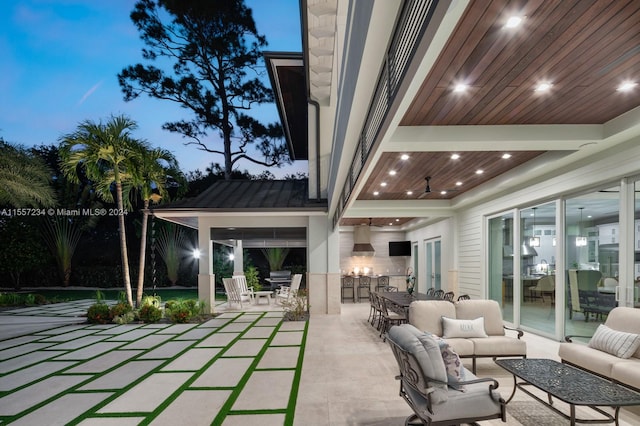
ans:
x=534 y=241
x=580 y=240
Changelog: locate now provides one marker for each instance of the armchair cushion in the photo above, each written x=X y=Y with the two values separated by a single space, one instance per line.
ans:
x=465 y=328
x=618 y=343
x=428 y=355
x=489 y=309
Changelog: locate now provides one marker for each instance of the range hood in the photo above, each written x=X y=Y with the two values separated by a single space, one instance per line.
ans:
x=525 y=251
x=362 y=241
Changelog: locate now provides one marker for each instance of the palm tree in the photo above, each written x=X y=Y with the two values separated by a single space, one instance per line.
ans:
x=156 y=171
x=25 y=179
x=107 y=154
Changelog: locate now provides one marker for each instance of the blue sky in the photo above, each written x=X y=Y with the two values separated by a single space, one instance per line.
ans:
x=59 y=61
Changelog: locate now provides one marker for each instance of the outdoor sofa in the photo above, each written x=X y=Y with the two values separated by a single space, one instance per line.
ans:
x=480 y=334
x=613 y=351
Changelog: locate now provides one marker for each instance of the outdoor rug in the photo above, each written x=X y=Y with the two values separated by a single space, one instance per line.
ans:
x=237 y=368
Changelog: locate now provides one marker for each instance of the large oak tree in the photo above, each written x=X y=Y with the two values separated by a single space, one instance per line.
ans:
x=205 y=56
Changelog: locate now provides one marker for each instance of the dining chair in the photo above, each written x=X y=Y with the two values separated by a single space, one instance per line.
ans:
x=382 y=282
x=464 y=297
x=438 y=294
x=390 y=288
x=374 y=311
x=449 y=296
x=389 y=318
x=431 y=291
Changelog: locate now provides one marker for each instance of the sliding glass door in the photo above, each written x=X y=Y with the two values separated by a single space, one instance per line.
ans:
x=433 y=255
x=501 y=263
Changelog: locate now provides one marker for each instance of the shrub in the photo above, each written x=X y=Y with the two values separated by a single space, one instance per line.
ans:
x=149 y=313
x=125 y=318
x=296 y=308
x=181 y=311
x=119 y=309
x=98 y=313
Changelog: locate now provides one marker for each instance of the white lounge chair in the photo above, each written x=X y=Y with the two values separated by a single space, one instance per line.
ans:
x=246 y=292
x=233 y=295
x=287 y=293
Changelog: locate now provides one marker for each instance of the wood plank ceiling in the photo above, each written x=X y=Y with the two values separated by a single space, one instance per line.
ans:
x=584 y=48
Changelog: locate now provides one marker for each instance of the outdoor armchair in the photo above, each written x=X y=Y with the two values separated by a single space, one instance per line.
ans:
x=246 y=292
x=287 y=293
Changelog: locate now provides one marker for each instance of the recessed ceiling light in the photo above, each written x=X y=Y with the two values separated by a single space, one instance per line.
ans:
x=455 y=156
x=513 y=22
x=479 y=171
x=397 y=220
x=409 y=192
x=404 y=157
x=460 y=88
x=383 y=184
x=443 y=192
x=376 y=193
x=390 y=223
x=506 y=156
x=627 y=86
x=458 y=183
x=544 y=87
x=392 y=172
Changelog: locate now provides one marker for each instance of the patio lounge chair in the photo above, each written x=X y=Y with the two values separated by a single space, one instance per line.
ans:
x=436 y=396
x=246 y=292
x=287 y=293
x=233 y=295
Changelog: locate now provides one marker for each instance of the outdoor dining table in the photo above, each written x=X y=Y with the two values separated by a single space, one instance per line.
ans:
x=400 y=300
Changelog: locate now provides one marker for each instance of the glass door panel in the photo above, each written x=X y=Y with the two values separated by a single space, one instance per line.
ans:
x=433 y=258
x=592 y=237
x=537 y=266
x=501 y=279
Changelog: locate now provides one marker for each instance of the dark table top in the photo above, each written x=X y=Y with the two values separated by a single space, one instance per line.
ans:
x=403 y=298
x=570 y=384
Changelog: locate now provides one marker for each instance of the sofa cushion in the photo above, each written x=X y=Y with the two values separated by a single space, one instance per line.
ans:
x=618 y=343
x=427 y=353
x=466 y=328
x=463 y=347
x=489 y=309
x=588 y=358
x=426 y=315
x=627 y=372
x=499 y=346
x=625 y=319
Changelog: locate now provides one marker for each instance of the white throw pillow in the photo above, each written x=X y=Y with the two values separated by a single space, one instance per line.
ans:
x=463 y=328
x=618 y=343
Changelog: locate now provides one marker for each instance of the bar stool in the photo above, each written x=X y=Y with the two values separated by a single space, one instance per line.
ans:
x=347 y=283
x=365 y=283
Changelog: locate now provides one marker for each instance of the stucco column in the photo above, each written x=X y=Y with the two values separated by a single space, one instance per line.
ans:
x=206 y=278
x=238 y=259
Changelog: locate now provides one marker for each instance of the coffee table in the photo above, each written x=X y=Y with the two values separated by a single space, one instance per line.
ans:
x=571 y=385
x=263 y=293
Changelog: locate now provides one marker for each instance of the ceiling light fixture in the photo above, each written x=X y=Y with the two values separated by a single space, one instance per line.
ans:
x=397 y=220
x=392 y=172
x=409 y=192
x=627 y=86
x=513 y=22
x=404 y=157
x=458 y=183
x=506 y=156
x=376 y=193
x=544 y=87
x=479 y=171
x=443 y=192
x=534 y=241
x=460 y=88
x=383 y=184
x=580 y=240
x=455 y=156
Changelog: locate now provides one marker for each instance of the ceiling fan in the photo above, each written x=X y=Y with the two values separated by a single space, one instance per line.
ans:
x=428 y=190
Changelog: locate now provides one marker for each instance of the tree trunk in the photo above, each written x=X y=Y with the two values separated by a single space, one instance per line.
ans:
x=143 y=252
x=123 y=244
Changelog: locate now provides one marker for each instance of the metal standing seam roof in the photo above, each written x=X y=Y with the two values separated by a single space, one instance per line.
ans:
x=249 y=195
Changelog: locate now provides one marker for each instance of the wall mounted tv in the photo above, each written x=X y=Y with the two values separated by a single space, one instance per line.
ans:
x=399 y=248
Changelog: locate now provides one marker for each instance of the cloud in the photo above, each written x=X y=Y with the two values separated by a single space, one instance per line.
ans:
x=89 y=92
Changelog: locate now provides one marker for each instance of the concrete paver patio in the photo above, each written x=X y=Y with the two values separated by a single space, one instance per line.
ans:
x=240 y=368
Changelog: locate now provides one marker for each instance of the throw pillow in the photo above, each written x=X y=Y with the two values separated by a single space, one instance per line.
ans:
x=463 y=328
x=618 y=343
x=452 y=364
